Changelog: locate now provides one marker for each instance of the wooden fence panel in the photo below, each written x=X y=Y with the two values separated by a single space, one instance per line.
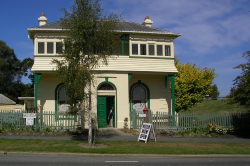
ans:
x=43 y=120
x=184 y=121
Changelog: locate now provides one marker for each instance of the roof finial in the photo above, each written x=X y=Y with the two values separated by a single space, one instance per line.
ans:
x=147 y=17
x=43 y=15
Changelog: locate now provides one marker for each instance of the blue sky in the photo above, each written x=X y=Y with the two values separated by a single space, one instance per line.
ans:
x=215 y=33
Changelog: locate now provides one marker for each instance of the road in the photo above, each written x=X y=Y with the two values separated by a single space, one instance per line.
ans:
x=41 y=160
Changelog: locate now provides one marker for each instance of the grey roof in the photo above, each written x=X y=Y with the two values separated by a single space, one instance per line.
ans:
x=126 y=26
x=6 y=100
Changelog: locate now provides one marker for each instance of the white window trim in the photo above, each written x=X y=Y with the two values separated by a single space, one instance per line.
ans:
x=155 y=48
x=45 y=46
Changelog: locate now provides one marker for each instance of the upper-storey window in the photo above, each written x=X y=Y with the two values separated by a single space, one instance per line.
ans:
x=40 y=47
x=135 y=49
x=167 y=50
x=150 y=49
x=143 y=49
x=159 y=50
x=59 y=47
x=49 y=48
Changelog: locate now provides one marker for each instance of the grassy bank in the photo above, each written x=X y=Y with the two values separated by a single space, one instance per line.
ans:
x=217 y=106
x=125 y=147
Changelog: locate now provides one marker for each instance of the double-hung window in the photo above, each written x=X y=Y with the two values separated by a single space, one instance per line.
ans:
x=159 y=50
x=134 y=49
x=167 y=50
x=49 y=47
x=143 y=49
x=40 y=47
x=150 y=49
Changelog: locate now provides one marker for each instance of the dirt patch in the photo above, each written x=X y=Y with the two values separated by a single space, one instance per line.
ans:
x=104 y=132
x=35 y=134
x=85 y=145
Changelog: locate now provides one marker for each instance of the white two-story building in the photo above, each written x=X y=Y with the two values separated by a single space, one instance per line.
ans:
x=140 y=76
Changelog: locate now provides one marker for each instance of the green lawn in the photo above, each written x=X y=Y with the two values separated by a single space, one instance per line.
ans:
x=125 y=147
x=217 y=106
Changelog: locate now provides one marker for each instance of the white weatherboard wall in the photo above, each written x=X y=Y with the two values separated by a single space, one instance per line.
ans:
x=121 y=63
x=46 y=98
x=46 y=91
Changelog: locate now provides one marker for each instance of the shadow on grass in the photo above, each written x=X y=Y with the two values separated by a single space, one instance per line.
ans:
x=82 y=135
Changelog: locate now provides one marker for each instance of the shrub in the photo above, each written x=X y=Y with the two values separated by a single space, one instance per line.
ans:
x=197 y=130
x=183 y=133
x=214 y=128
x=125 y=123
x=48 y=129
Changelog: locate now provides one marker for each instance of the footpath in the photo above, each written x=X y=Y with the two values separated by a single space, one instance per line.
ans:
x=112 y=134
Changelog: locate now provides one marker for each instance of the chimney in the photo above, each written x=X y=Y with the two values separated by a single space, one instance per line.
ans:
x=42 y=20
x=147 y=22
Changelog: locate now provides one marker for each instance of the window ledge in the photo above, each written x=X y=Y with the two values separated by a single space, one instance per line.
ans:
x=157 y=57
x=47 y=55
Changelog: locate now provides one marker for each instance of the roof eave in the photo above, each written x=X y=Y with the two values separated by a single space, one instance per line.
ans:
x=26 y=98
x=121 y=31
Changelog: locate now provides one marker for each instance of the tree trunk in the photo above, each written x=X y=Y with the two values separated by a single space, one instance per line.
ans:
x=90 y=117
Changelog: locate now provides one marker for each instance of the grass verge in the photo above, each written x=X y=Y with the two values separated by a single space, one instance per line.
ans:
x=125 y=147
x=217 y=106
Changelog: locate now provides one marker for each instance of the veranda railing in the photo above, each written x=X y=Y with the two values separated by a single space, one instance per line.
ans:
x=15 y=120
x=180 y=122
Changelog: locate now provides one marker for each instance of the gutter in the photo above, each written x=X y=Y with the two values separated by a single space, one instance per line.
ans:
x=175 y=34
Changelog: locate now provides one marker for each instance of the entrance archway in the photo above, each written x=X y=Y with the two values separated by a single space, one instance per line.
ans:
x=106 y=105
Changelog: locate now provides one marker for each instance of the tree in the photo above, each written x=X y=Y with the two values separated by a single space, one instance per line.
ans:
x=26 y=65
x=91 y=41
x=11 y=72
x=192 y=84
x=214 y=93
x=240 y=92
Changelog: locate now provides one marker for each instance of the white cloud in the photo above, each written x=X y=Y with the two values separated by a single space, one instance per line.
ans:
x=214 y=33
x=205 y=25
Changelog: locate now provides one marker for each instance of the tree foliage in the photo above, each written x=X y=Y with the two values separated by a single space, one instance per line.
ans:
x=192 y=84
x=214 y=93
x=240 y=92
x=91 y=41
x=11 y=72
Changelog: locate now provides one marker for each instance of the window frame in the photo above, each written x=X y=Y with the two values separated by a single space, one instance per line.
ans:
x=58 y=117
x=148 y=46
x=38 y=50
x=50 y=44
x=139 y=83
x=45 y=43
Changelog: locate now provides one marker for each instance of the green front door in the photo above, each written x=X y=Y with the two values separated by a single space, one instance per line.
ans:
x=101 y=112
x=114 y=125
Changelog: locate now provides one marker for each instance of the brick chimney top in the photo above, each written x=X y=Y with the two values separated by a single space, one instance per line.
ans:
x=147 y=22
x=42 y=20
